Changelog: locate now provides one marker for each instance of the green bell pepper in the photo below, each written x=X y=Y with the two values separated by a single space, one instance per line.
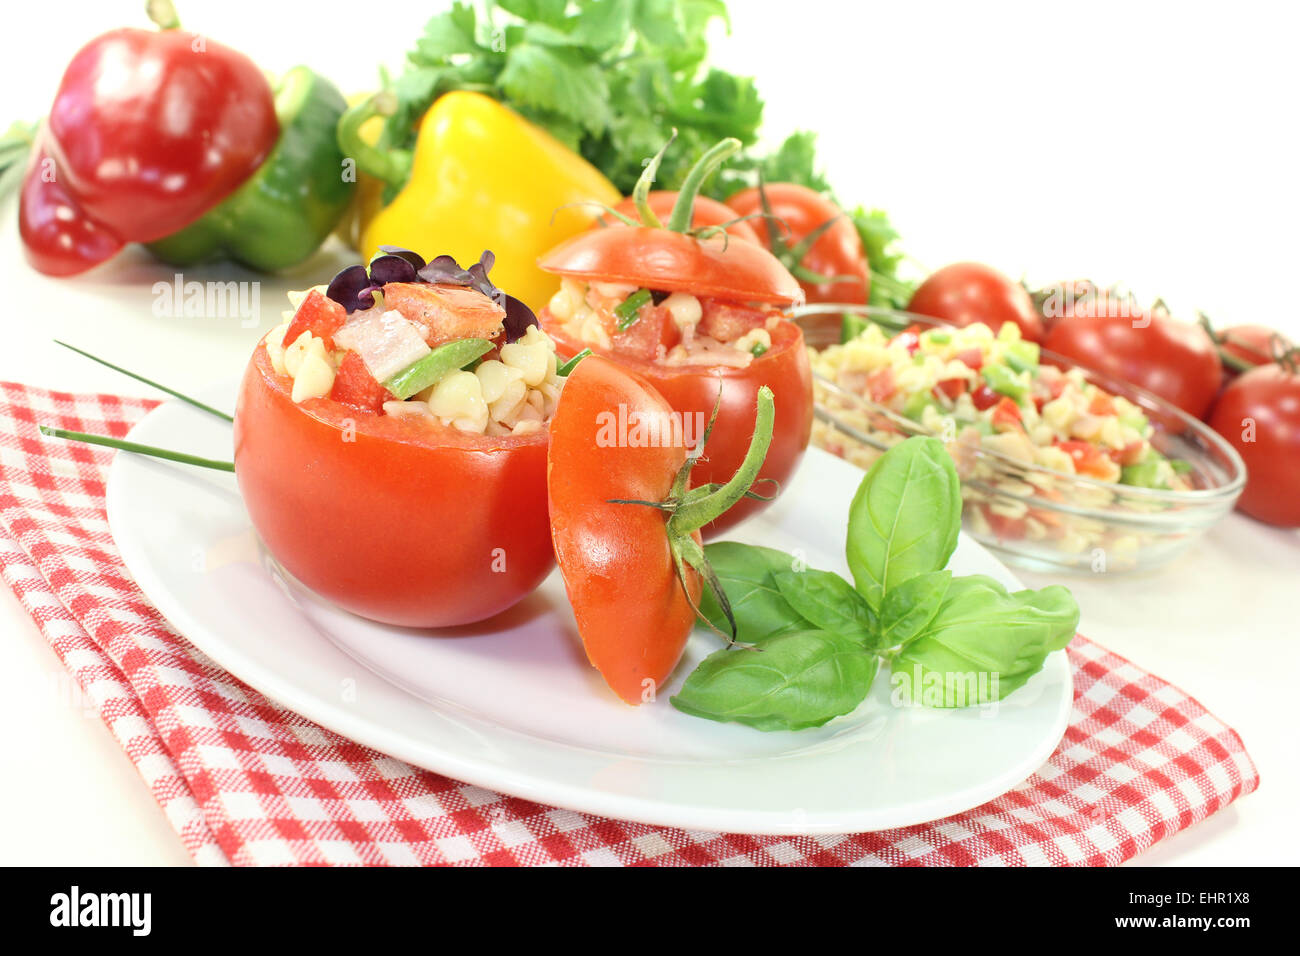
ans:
x=1005 y=382
x=289 y=206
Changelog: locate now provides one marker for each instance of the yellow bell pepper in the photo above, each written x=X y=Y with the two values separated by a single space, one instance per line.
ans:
x=483 y=177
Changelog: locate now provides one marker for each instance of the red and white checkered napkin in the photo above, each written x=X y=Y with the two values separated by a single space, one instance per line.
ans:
x=244 y=781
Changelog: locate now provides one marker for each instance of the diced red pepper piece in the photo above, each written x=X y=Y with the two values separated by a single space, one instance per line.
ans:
x=1101 y=404
x=1006 y=415
x=1130 y=454
x=726 y=321
x=880 y=385
x=952 y=388
x=909 y=338
x=318 y=314
x=355 y=386
x=1088 y=458
x=1005 y=528
x=972 y=358
x=985 y=398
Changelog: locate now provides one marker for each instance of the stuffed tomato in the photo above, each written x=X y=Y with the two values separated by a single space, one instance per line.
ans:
x=391 y=442
x=703 y=317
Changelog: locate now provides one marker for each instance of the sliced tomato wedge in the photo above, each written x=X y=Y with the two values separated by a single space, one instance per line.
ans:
x=633 y=614
x=626 y=534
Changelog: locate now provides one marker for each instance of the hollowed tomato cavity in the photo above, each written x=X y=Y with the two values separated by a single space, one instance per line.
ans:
x=359 y=360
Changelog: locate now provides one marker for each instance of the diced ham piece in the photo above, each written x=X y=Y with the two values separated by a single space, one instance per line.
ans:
x=386 y=342
x=445 y=313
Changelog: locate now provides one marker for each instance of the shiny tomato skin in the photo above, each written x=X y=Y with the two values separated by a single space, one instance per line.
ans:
x=837 y=252
x=706 y=212
x=399 y=521
x=1268 y=397
x=1174 y=359
x=632 y=612
x=694 y=389
x=968 y=292
x=675 y=262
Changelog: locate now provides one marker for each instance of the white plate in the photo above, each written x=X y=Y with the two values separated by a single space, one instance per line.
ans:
x=511 y=704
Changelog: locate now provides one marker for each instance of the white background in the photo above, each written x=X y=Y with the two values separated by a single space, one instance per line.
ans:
x=1153 y=143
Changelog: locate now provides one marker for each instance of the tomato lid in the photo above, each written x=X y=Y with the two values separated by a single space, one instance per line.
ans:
x=719 y=266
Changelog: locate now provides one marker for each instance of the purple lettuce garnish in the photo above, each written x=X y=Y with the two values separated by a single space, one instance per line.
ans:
x=354 y=288
x=414 y=258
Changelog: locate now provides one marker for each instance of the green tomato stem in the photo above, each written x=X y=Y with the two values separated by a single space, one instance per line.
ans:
x=680 y=220
x=694 y=514
x=641 y=191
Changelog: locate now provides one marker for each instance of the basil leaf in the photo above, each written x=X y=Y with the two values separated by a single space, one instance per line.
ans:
x=828 y=602
x=984 y=643
x=745 y=572
x=793 y=681
x=908 y=608
x=904 y=518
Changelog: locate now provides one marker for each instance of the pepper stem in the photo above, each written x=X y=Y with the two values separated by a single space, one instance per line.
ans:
x=680 y=220
x=162 y=13
x=393 y=166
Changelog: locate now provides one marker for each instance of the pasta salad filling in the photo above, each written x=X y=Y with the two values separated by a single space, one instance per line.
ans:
x=672 y=328
x=973 y=385
x=423 y=350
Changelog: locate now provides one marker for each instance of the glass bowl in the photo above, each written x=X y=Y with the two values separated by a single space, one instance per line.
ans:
x=1036 y=517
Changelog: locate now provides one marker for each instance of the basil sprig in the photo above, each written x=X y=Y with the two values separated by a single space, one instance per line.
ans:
x=809 y=643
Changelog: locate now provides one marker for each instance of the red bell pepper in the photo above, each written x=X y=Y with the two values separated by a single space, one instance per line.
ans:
x=148 y=131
